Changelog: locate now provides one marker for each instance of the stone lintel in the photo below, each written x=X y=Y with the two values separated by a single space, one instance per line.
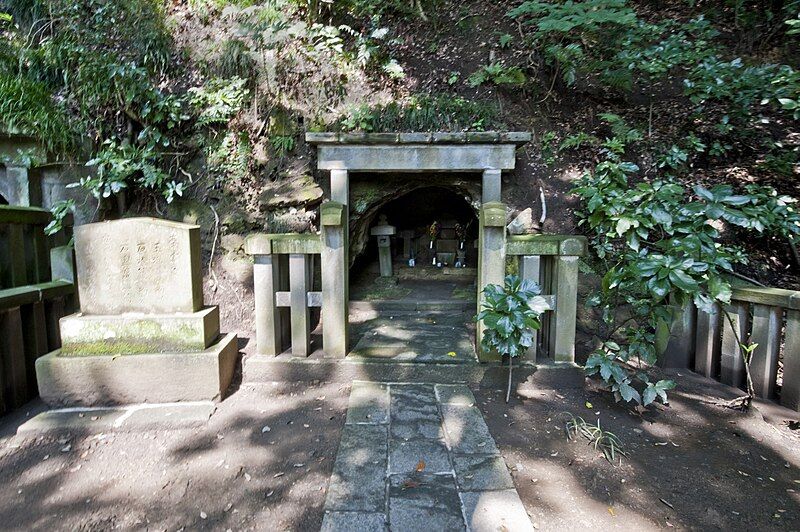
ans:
x=416 y=157
x=135 y=333
x=564 y=245
x=145 y=378
x=440 y=137
x=283 y=243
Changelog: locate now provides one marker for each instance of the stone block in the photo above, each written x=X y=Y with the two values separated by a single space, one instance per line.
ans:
x=131 y=334
x=424 y=502
x=138 y=265
x=466 y=430
x=143 y=378
x=481 y=473
x=454 y=394
x=354 y=522
x=489 y=511
x=369 y=403
x=408 y=456
x=358 y=482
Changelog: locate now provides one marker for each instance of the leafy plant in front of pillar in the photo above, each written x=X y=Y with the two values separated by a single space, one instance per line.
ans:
x=510 y=314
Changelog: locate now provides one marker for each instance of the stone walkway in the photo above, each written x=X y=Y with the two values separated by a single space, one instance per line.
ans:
x=419 y=457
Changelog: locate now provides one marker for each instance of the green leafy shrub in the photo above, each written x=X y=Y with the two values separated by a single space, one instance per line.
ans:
x=659 y=248
x=510 y=314
x=218 y=100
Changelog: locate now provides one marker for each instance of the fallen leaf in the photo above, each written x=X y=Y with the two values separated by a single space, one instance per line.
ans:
x=407 y=484
x=668 y=504
x=420 y=465
x=451 y=354
x=265 y=428
x=589 y=405
x=203 y=515
x=611 y=511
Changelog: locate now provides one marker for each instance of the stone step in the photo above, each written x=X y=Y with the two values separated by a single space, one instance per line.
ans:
x=404 y=305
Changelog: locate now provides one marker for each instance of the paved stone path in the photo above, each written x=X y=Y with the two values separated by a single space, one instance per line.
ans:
x=419 y=457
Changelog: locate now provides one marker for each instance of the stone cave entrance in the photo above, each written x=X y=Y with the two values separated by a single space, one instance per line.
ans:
x=433 y=249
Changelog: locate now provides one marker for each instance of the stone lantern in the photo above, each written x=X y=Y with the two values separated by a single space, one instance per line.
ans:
x=383 y=231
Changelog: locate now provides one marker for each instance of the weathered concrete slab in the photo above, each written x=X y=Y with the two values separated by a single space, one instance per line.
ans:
x=418 y=428
x=413 y=402
x=354 y=522
x=424 y=502
x=490 y=511
x=124 y=418
x=482 y=473
x=358 y=482
x=138 y=265
x=153 y=378
x=369 y=403
x=135 y=333
x=454 y=394
x=425 y=454
x=466 y=430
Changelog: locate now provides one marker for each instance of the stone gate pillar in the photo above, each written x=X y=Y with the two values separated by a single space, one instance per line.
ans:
x=335 y=265
x=491 y=257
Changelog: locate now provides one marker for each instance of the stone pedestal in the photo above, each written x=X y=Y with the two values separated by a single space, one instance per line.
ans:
x=408 y=241
x=142 y=334
x=384 y=231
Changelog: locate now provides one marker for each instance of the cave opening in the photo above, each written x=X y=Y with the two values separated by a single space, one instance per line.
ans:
x=433 y=248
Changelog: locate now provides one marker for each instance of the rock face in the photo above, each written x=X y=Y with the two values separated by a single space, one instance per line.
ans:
x=523 y=224
x=143 y=334
x=138 y=265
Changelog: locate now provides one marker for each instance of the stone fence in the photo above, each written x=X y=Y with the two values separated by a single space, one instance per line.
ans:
x=552 y=262
x=768 y=317
x=36 y=290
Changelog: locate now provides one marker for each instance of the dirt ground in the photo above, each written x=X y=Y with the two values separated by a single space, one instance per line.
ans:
x=692 y=465
x=231 y=474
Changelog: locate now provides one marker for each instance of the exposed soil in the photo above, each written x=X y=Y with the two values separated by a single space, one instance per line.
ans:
x=226 y=475
x=692 y=465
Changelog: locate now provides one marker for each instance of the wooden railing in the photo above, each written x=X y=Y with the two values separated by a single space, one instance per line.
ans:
x=36 y=290
x=708 y=343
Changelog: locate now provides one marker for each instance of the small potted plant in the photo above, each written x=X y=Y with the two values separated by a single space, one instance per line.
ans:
x=510 y=314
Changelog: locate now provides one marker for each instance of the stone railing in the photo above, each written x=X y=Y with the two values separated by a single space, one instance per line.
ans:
x=552 y=262
x=36 y=290
x=768 y=317
x=283 y=274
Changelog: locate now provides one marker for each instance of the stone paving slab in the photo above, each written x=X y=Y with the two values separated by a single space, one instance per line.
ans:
x=354 y=522
x=491 y=511
x=454 y=394
x=396 y=472
x=466 y=430
x=482 y=473
x=369 y=403
x=407 y=456
x=424 y=502
x=358 y=479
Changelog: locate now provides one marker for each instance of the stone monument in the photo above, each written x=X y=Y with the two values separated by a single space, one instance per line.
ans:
x=142 y=333
x=384 y=232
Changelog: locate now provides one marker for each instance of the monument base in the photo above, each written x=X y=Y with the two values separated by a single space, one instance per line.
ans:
x=145 y=378
x=137 y=333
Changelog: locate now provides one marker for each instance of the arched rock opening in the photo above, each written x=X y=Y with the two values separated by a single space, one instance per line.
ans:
x=372 y=194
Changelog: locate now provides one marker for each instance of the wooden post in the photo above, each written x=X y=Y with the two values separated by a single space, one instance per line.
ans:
x=301 y=319
x=34 y=336
x=707 y=343
x=530 y=269
x=564 y=316
x=790 y=393
x=54 y=310
x=767 y=323
x=41 y=255
x=12 y=359
x=16 y=246
x=680 y=347
x=731 y=364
